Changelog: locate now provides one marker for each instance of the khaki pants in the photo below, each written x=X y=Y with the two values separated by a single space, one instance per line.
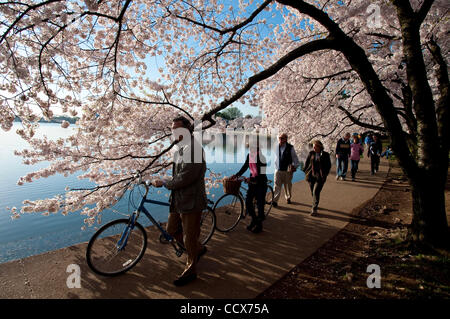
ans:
x=282 y=178
x=185 y=228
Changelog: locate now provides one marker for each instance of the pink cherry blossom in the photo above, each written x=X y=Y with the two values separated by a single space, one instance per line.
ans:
x=316 y=69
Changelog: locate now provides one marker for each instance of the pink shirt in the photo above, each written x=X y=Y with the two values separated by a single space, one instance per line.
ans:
x=252 y=165
x=355 y=148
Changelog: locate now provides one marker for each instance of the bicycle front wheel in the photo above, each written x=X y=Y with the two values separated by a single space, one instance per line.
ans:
x=229 y=210
x=269 y=201
x=116 y=248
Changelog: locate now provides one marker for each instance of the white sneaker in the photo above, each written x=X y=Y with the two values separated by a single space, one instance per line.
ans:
x=337 y=177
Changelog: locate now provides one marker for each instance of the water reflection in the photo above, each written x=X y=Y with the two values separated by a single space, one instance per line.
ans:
x=233 y=146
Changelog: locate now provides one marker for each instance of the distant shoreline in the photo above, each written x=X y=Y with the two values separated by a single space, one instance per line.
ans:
x=56 y=119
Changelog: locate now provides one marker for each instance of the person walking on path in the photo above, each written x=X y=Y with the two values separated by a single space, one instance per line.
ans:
x=368 y=140
x=342 y=155
x=257 y=187
x=388 y=152
x=188 y=197
x=317 y=167
x=286 y=164
x=356 y=150
x=375 y=150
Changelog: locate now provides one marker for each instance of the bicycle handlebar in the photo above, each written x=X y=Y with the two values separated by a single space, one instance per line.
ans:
x=247 y=180
x=146 y=184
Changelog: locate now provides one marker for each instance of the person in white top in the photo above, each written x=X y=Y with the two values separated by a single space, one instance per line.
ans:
x=286 y=164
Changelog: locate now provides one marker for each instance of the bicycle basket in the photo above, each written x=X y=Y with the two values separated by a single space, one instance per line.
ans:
x=231 y=186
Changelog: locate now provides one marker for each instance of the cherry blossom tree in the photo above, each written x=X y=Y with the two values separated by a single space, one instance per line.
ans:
x=334 y=66
x=316 y=68
x=85 y=59
x=390 y=76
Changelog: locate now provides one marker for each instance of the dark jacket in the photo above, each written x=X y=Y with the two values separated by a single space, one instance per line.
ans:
x=343 y=148
x=285 y=159
x=260 y=162
x=321 y=172
x=375 y=148
x=188 y=181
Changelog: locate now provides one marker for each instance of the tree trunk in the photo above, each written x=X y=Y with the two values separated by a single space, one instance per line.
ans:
x=426 y=165
x=429 y=225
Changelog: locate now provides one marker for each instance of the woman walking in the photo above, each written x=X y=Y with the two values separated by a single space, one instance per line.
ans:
x=317 y=167
x=257 y=187
x=375 y=150
x=355 y=155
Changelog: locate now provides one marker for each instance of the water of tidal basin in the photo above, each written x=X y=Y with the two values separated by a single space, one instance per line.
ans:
x=33 y=234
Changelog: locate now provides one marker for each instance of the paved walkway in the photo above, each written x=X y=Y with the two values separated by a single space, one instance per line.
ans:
x=239 y=264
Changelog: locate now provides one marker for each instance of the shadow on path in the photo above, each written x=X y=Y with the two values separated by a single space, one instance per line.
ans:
x=238 y=264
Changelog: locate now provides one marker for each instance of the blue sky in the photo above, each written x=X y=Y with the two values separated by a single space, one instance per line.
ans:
x=246 y=109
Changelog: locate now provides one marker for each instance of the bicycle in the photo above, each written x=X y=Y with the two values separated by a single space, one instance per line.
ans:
x=229 y=208
x=120 y=244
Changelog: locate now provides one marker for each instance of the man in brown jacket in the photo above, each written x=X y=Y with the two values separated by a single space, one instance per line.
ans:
x=188 y=196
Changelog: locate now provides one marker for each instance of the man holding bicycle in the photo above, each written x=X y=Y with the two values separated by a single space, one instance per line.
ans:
x=188 y=196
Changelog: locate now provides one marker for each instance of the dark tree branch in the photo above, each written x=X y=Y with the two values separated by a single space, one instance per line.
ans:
x=443 y=103
x=326 y=134
x=358 y=122
x=304 y=49
x=132 y=177
x=358 y=60
x=232 y=29
x=166 y=102
x=423 y=11
x=383 y=36
x=23 y=14
x=317 y=14
x=328 y=76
